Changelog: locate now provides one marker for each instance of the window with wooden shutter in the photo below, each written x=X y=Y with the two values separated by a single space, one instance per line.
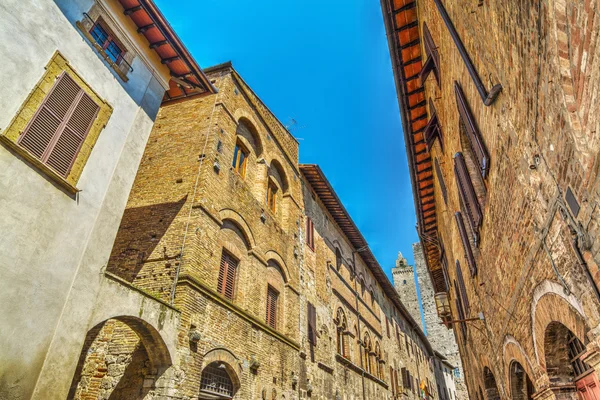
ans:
x=227 y=275
x=462 y=231
x=60 y=125
x=433 y=129
x=441 y=182
x=444 y=263
x=312 y=324
x=467 y=194
x=272 y=195
x=240 y=159
x=272 y=297
x=310 y=234
x=475 y=138
x=460 y=310
x=433 y=58
x=463 y=288
x=387 y=325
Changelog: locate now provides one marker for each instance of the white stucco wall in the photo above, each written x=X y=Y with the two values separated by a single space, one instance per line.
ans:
x=52 y=247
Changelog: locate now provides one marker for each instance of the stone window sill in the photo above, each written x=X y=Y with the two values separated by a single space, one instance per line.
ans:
x=40 y=166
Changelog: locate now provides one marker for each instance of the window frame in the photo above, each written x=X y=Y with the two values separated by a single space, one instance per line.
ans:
x=272 y=313
x=110 y=39
x=310 y=233
x=223 y=277
x=272 y=190
x=240 y=148
x=433 y=58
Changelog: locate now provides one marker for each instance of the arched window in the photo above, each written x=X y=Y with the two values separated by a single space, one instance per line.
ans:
x=216 y=381
x=367 y=349
x=521 y=387
x=491 y=389
x=338 y=259
x=277 y=185
x=240 y=158
x=341 y=328
x=377 y=361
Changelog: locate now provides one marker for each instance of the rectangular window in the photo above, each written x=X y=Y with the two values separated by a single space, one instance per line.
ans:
x=310 y=234
x=107 y=42
x=433 y=129
x=461 y=311
x=240 y=156
x=463 y=288
x=272 y=196
x=272 y=297
x=462 y=230
x=404 y=374
x=387 y=326
x=227 y=275
x=312 y=324
x=59 y=127
x=466 y=190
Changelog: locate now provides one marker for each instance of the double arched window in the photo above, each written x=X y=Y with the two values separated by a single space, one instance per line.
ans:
x=341 y=332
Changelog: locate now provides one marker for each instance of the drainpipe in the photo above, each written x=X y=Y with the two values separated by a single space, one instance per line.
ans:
x=362 y=367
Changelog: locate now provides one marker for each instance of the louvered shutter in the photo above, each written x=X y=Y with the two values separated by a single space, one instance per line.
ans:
x=462 y=230
x=312 y=324
x=387 y=326
x=59 y=127
x=467 y=192
x=472 y=129
x=310 y=233
x=403 y=372
x=433 y=130
x=461 y=311
x=440 y=177
x=433 y=58
x=463 y=289
x=272 y=296
x=227 y=274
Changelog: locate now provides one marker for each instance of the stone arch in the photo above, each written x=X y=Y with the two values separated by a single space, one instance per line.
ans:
x=274 y=256
x=550 y=304
x=520 y=384
x=119 y=358
x=227 y=357
x=278 y=174
x=247 y=129
x=489 y=383
x=228 y=214
x=513 y=351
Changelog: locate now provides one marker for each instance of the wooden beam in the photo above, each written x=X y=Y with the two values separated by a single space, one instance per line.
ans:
x=145 y=28
x=158 y=44
x=131 y=10
x=170 y=60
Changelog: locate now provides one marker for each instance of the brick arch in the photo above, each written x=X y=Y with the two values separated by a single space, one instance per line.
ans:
x=513 y=351
x=273 y=255
x=277 y=165
x=233 y=216
x=232 y=363
x=244 y=117
x=551 y=304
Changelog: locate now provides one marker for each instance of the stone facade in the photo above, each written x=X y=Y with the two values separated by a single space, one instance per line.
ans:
x=59 y=216
x=404 y=282
x=512 y=232
x=441 y=338
x=310 y=313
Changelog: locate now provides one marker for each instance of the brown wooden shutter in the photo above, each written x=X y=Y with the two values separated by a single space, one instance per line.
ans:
x=404 y=374
x=310 y=233
x=433 y=58
x=472 y=131
x=440 y=177
x=59 y=127
x=467 y=192
x=444 y=263
x=462 y=230
x=312 y=324
x=433 y=129
x=227 y=273
x=463 y=288
x=387 y=326
x=461 y=311
x=272 y=296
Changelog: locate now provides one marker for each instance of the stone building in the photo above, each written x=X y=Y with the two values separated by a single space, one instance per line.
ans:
x=403 y=276
x=276 y=292
x=441 y=338
x=499 y=108
x=446 y=378
x=82 y=82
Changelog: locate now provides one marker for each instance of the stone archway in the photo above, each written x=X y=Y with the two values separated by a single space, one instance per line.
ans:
x=221 y=372
x=521 y=387
x=121 y=359
x=491 y=388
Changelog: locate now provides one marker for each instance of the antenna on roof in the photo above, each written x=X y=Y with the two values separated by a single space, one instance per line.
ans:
x=292 y=126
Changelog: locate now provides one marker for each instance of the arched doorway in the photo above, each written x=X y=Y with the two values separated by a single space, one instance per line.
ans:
x=217 y=382
x=567 y=372
x=121 y=359
x=491 y=389
x=521 y=387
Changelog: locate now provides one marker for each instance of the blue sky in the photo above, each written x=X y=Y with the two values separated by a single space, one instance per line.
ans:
x=325 y=64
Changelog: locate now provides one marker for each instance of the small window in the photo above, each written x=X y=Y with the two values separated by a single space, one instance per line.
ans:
x=338 y=259
x=272 y=196
x=433 y=58
x=272 y=298
x=227 y=275
x=310 y=234
x=240 y=157
x=113 y=50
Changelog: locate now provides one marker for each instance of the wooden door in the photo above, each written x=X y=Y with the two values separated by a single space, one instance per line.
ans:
x=588 y=387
